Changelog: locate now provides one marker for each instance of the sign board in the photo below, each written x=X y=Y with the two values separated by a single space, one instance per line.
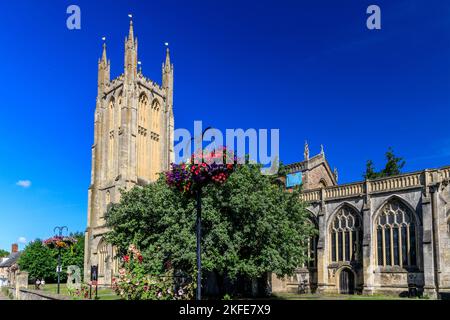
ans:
x=58 y=268
x=94 y=273
x=293 y=179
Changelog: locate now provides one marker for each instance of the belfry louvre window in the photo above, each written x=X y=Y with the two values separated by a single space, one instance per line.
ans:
x=396 y=236
x=346 y=236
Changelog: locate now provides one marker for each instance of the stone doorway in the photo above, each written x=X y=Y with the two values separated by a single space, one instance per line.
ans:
x=346 y=281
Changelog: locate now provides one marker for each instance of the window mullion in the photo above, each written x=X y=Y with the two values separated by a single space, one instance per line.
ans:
x=400 y=248
x=408 y=250
x=384 y=246
x=392 y=245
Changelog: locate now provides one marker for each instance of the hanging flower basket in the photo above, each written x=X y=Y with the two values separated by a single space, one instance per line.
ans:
x=205 y=168
x=59 y=242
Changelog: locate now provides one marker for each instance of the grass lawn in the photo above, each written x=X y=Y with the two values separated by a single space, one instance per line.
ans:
x=103 y=294
x=294 y=296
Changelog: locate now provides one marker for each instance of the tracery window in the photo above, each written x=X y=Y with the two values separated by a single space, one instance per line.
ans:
x=111 y=141
x=142 y=145
x=346 y=236
x=155 y=146
x=396 y=236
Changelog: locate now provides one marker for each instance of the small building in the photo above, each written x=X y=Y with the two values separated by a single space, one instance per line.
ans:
x=8 y=266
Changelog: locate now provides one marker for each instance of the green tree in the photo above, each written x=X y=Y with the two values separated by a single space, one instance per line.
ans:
x=370 y=171
x=38 y=260
x=393 y=166
x=3 y=253
x=250 y=226
x=41 y=262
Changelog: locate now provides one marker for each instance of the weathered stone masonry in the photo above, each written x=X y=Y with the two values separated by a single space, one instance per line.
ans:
x=133 y=142
x=386 y=257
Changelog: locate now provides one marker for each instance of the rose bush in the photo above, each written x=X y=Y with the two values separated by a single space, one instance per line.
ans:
x=135 y=284
x=81 y=293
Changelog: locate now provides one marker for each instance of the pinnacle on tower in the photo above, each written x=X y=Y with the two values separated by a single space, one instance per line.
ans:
x=306 y=152
x=103 y=69
x=131 y=61
x=104 y=58
x=167 y=63
x=131 y=31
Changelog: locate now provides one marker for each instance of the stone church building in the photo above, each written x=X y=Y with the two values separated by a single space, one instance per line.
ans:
x=133 y=142
x=374 y=236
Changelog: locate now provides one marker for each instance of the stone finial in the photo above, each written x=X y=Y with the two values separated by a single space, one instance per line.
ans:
x=306 y=152
x=104 y=58
x=131 y=29
x=336 y=176
x=322 y=152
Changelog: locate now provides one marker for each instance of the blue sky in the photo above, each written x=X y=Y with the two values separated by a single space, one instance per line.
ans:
x=310 y=68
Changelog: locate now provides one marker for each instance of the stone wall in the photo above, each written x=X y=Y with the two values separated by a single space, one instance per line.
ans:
x=426 y=194
x=27 y=294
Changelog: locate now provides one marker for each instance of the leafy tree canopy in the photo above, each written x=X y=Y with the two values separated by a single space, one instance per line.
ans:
x=41 y=262
x=393 y=166
x=3 y=253
x=250 y=226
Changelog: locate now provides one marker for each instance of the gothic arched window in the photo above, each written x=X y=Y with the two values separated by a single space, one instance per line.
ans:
x=142 y=145
x=155 y=116
x=396 y=235
x=119 y=110
x=111 y=142
x=103 y=257
x=111 y=114
x=312 y=246
x=322 y=183
x=116 y=261
x=346 y=236
x=155 y=146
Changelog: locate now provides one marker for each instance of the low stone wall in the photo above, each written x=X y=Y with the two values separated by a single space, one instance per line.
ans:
x=27 y=294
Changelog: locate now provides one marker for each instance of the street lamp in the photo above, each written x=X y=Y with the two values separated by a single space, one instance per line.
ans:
x=199 y=234
x=58 y=268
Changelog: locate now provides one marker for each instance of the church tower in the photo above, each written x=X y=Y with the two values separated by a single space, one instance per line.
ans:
x=133 y=143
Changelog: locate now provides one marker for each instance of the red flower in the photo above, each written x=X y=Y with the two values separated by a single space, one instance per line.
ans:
x=140 y=258
x=126 y=258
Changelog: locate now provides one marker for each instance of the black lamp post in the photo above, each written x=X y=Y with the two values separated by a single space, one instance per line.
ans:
x=58 y=268
x=199 y=235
